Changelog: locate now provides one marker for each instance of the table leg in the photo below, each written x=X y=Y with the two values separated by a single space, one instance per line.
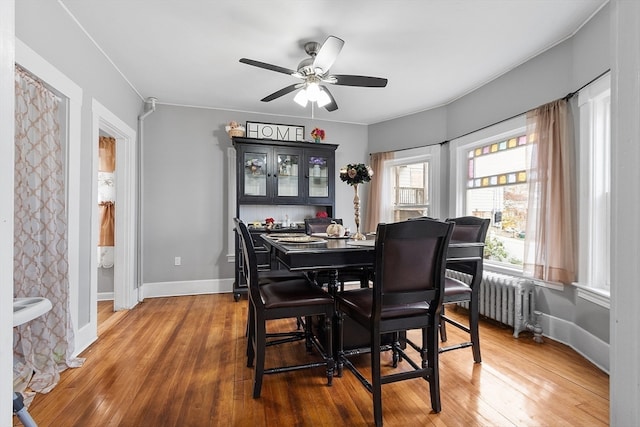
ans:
x=332 y=286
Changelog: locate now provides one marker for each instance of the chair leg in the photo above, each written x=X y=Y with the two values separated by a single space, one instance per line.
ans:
x=443 y=328
x=340 y=332
x=308 y=333
x=376 y=389
x=474 y=319
x=260 y=344
x=251 y=332
x=430 y=358
x=395 y=346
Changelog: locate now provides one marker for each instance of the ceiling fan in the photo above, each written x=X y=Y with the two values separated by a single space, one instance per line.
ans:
x=314 y=71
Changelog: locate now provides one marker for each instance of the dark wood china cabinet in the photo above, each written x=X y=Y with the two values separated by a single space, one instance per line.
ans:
x=270 y=172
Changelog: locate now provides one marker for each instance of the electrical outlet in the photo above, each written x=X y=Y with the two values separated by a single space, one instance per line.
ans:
x=177 y=261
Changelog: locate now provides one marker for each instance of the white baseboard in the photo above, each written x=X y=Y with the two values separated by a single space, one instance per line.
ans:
x=586 y=344
x=193 y=287
x=105 y=296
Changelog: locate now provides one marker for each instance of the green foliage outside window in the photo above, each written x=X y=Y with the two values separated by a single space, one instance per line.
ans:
x=494 y=249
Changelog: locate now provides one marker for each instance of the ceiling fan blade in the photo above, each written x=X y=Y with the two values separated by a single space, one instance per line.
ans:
x=281 y=92
x=267 y=66
x=331 y=106
x=364 y=81
x=328 y=53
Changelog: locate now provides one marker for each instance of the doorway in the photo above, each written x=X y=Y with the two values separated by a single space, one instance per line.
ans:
x=120 y=281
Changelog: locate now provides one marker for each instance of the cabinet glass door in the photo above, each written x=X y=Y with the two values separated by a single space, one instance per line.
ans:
x=318 y=168
x=255 y=174
x=288 y=169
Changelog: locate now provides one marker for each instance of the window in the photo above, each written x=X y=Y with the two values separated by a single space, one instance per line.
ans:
x=595 y=138
x=409 y=196
x=489 y=180
x=410 y=184
x=497 y=189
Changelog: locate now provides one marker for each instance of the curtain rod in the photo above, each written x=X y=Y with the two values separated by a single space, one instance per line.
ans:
x=566 y=98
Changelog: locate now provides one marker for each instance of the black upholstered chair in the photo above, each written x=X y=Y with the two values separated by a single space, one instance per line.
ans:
x=297 y=298
x=467 y=229
x=266 y=274
x=319 y=225
x=406 y=294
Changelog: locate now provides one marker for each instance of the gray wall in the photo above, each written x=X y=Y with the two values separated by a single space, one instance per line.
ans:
x=47 y=29
x=186 y=187
x=546 y=77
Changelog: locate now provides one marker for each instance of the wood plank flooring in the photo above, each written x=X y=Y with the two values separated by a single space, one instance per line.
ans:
x=181 y=361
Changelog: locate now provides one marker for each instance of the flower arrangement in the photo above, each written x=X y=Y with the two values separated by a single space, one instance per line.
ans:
x=321 y=214
x=254 y=165
x=269 y=223
x=234 y=129
x=321 y=161
x=354 y=174
x=317 y=134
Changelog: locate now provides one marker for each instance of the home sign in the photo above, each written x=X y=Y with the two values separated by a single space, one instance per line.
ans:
x=275 y=131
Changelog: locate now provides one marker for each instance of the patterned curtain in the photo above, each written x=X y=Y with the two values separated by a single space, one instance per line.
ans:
x=550 y=246
x=43 y=347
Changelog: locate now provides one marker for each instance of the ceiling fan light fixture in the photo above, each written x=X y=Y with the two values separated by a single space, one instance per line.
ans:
x=323 y=99
x=313 y=91
x=301 y=98
x=315 y=70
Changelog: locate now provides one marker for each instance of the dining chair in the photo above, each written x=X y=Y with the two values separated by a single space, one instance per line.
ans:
x=319 y=225
x=266 y=274
x=355 y=274
x=296 y=298
x=406 y=294
x=474 y=230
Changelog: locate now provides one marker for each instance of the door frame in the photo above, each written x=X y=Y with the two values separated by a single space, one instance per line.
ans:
x=124 y=273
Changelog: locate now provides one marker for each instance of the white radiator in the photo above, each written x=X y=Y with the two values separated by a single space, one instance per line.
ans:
x=509 y=300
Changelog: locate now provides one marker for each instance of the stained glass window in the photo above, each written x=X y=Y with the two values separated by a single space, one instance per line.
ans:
x=498 y=163
x=497 y=189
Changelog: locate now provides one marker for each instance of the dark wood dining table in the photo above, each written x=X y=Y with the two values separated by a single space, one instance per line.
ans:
x=331 y=254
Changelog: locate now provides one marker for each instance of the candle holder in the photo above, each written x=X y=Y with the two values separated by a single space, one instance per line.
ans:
x=356 y=208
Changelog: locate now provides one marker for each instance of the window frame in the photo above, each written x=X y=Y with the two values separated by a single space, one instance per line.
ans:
x=594 y=101
x=431 y=154
x=458 y=172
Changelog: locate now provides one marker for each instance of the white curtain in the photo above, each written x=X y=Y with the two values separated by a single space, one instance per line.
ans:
x=43 y=347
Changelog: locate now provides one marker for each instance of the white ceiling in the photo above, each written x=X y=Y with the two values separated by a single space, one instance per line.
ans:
x=186 y=52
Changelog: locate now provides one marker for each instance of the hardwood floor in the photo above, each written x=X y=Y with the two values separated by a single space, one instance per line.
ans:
x=107 y=317
x=181 y=362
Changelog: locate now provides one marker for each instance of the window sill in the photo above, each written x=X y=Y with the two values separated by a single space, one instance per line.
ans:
x=502 y=269
x=597 y=296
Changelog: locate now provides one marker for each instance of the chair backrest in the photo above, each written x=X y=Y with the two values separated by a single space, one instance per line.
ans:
x=410 y=263
x=250 y=259
x=468 y=229
x=319 y=225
